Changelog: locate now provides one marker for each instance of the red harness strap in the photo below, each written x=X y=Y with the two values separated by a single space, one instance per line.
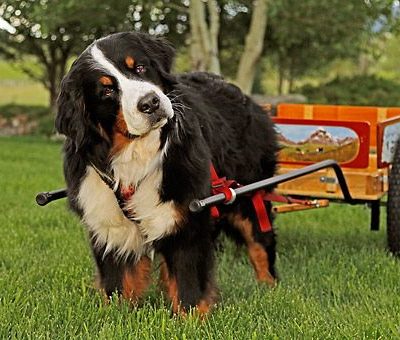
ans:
x=260 y=196
x=259 y=207
x=221 y=186
x=224 y=186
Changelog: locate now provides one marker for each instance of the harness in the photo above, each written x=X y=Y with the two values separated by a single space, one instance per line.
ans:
x=221 y=185
x=122 y=194
x=218 y=185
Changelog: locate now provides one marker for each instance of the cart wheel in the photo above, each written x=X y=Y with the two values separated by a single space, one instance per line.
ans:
x=393 y=206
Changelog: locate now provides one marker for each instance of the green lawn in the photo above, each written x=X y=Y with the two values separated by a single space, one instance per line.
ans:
x=337 y=281
x=22 y=92
x=17 y=88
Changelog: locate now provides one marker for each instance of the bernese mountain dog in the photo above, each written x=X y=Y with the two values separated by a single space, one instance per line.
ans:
x=138 y=149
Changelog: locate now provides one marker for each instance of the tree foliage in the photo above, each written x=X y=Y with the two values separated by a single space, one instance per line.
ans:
x=305 y=35
x=53 y=31
x=358 y=90
x=301 y=36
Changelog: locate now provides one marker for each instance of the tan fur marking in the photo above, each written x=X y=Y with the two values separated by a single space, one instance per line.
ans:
x=203 y=307
x=129 y=61
x=119 y=139
x=163 y=276
x=180 y=217
x=243 y=225
x=170 y=285
x=106 y=80
x=136 y=279
x=173 y=294
x=98 y=286
x=257 y=254
x=207 y=303
x=259 y=259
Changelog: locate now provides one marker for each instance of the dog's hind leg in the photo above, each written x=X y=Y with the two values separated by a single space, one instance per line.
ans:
x=260 y=246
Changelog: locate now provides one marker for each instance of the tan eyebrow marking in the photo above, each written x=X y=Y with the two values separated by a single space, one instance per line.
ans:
x=106 y=80
x=129 y=61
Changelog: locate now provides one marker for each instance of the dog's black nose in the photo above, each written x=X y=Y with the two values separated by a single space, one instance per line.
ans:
x=149 y=103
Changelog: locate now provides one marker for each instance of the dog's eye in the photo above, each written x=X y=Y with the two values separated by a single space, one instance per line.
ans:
x=139 y=69
x=108 y=91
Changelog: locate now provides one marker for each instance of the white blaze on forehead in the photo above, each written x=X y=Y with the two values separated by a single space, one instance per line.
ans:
x=131 y=92
x=107 y=65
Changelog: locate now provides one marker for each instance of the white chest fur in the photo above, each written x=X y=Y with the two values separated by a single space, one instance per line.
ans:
x=139 y=164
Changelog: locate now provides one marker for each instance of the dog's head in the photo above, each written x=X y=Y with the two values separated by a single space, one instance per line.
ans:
x=117 y=89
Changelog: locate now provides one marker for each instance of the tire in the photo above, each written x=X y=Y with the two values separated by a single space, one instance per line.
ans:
x=393 y=205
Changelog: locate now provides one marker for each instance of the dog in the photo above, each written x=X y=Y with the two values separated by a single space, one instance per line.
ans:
x=139 y=145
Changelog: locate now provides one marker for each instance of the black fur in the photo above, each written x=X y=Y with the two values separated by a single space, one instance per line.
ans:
x=214 y=122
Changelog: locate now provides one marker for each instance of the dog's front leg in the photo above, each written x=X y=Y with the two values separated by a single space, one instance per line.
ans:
x=128 y=278
x=187 y=271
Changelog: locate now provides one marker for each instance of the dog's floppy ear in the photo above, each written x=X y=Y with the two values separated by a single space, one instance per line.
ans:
x=72 y=119
x=158 y=49
x=162 y=55
x=165 y=54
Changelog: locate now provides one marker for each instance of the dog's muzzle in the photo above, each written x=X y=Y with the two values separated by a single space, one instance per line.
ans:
x=152 y=106
x=149 y=103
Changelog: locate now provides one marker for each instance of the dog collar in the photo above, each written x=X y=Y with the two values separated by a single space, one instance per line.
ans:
x=130 y=135
x=126 y=193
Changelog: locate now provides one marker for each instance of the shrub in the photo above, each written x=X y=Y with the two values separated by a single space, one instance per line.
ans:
x=358 y=90
x=39 y=114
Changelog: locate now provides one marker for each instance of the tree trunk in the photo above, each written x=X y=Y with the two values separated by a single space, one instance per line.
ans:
x=52 y=86
x=197 y=18
x=363 y=64
x=253 y=46
x=213 y=9
x=291 y=76
x=53 y=94
x=204 y=37
x=291 y=84
x=291 y=81
x=55 y=73
x=280 y=81
x=281 y=77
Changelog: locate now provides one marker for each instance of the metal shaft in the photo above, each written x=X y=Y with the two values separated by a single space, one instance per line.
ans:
x=197 y=205
x=43 y=198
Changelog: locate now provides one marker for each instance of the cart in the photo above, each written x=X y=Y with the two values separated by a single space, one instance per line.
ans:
x=361 y=139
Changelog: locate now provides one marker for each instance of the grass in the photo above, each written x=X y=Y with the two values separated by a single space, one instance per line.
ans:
x=337 y=281
x=22 y=92
x=16 y=87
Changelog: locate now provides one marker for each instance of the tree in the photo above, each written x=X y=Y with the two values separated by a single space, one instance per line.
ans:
x=253 y=47
x=304 y=36
x=51 y=32
x=204 y=36
x=205 y=30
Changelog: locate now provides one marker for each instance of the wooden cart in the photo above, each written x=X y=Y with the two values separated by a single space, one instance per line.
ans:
x=361 y=139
